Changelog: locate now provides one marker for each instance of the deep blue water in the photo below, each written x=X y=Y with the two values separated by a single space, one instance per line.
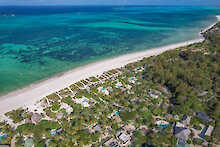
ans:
x=39 y=42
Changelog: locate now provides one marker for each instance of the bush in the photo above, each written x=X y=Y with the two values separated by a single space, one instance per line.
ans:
x=16 y=115
x=53 y=97
x=197 y=141
x=25 y=128
x=126 y=116
x=56 y=106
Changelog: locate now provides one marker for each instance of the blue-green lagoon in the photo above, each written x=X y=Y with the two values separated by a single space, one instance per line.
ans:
x=39 y=42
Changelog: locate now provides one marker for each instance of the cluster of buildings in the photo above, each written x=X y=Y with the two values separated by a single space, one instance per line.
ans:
x=182 y=129
x=84 y=101
x=122 y=137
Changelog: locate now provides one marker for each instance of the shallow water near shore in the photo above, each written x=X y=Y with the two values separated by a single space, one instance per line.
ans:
x=39 y=42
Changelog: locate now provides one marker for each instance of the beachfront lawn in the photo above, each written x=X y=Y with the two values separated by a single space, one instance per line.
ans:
x=64 y=92
x=113 y=71
x=53 y=97
x=55 y=106
x=79 y=84
x=82 y=93
x=84 y=82
x=93 y=79
x=49 y=113
x=73 y=87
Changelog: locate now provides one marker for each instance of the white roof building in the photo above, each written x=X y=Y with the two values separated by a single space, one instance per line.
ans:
x=128 y=86
x=162 y=122
x=66 y=107
x=103 y=90
x=118 y=85
x=36 y=117
x=153 y=93
x=209 y=131
x=178 y=124
x=124 y=138
x=132 y=79
x=83 y=101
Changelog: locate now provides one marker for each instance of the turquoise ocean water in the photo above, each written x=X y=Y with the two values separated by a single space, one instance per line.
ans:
x=39 y=42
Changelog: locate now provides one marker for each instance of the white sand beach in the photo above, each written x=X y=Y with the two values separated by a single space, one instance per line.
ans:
x=30 y=95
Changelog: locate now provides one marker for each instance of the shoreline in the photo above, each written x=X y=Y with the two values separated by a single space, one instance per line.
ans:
x=209 y=27
x=28 y=96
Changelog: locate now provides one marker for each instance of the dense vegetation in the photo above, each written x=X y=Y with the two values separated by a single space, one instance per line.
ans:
x=189 y=71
